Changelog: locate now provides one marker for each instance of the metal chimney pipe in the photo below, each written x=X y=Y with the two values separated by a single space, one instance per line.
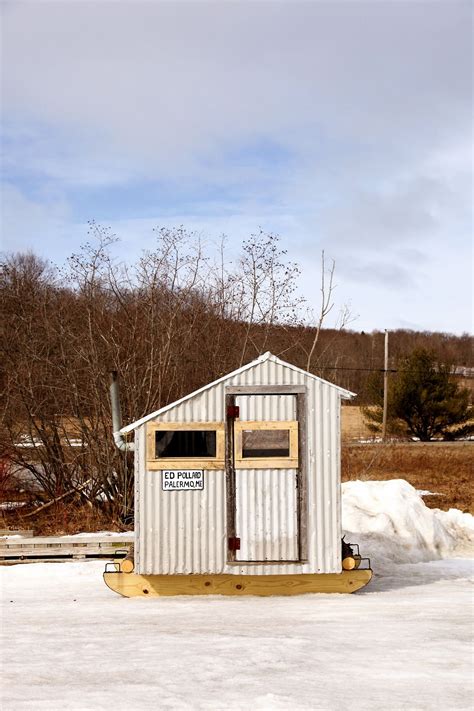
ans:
x=119 y=439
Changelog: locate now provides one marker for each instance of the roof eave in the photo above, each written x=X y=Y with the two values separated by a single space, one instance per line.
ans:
x=345 y=394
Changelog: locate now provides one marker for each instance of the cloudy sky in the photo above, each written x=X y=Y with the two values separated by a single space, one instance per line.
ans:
x=339 y=125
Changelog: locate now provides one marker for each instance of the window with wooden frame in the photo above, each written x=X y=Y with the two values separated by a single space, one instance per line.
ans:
x=185 y=445
x=266 y=445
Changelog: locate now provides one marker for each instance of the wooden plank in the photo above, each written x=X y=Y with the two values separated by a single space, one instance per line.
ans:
x=230 y=474
x=58 y=550
x=266 y=425
x=132 y=585
x=15 y=532
x=302 y=477
x=176 y=426
x=269 y=463
x=62 y=547
x=58 y=540
x=265 y=389
x=184 y=464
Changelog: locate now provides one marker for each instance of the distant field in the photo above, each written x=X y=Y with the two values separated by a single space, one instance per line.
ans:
x=444 y=468
x=353 y=424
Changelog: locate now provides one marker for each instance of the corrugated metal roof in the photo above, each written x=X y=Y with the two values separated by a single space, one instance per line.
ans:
x=346 y=394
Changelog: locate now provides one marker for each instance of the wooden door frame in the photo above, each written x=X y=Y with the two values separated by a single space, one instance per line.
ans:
x=301 y=473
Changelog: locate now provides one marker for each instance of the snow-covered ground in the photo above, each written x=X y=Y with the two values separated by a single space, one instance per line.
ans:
x=404 y=642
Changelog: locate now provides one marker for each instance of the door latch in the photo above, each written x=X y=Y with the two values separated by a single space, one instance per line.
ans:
x=234 y=543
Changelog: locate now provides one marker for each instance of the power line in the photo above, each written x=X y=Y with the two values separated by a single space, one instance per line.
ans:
x=369 y=370
x=380 y=370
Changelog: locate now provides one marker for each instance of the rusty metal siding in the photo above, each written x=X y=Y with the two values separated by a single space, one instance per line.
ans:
x=184 y=532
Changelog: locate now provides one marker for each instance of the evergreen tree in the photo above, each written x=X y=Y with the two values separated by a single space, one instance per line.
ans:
x=425 y=400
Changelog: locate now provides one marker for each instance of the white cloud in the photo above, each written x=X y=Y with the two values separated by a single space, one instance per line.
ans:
x=177 y=82
x=368 y=103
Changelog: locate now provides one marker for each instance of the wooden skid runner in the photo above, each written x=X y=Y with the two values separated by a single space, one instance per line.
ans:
x=133 y=585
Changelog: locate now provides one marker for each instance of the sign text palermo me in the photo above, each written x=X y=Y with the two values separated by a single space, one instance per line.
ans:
x=182 y=480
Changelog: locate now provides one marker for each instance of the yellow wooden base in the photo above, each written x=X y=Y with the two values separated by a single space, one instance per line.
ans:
x=133 y=585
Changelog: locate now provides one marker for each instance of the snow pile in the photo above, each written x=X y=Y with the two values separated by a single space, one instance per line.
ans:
x=102 y=534
x=392 y=524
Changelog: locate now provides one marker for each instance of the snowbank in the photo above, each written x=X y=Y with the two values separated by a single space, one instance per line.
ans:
x=392 y=524
x=102 y=534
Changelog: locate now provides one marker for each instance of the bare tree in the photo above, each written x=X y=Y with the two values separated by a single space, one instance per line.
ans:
x=327 y=288
x=179 y=317
x=267 y=292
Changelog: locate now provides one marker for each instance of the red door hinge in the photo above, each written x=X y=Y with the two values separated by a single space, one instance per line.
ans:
x=233 y=411
x=234 y=543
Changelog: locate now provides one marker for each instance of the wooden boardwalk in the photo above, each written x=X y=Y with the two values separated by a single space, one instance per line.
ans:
x=57 y=548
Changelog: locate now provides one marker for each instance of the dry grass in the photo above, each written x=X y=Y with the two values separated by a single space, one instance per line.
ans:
x=441 y=467
x=60 y=520
x=353 y=424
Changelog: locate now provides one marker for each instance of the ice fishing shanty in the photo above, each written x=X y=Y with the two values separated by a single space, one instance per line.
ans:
x=237 y=489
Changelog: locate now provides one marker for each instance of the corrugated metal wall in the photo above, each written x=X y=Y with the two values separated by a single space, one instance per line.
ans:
x=266 y=514
x=266 y=407
x=184 y=532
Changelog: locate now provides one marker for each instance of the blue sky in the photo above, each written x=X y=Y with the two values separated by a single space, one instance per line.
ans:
x=343 y=126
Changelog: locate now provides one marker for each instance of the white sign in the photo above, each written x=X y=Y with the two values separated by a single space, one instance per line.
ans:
x=182 y=480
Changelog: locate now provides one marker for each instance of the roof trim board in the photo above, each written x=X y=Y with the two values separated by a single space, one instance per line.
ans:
x=345 y=394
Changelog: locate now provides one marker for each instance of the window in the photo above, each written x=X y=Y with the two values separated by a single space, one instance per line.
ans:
x=265 y=443
x=185 y=445
x=262 y=445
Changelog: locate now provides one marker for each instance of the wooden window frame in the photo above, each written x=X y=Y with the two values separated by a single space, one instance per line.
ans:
x=175 y=463
x=290 y=462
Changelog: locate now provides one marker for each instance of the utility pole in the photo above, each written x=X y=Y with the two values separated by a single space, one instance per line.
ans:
x=385 y=388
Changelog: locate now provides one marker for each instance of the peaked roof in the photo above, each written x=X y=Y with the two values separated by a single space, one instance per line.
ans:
x=346 y=394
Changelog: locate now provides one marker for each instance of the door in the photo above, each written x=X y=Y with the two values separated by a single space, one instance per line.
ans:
x=265 y=464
